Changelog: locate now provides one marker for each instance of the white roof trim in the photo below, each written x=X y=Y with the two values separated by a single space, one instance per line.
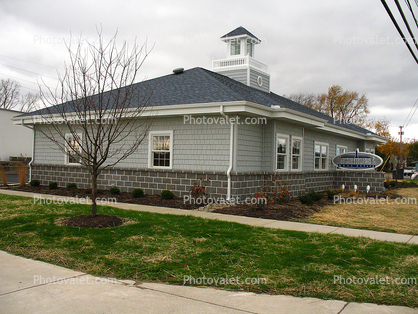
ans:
x=237 y=107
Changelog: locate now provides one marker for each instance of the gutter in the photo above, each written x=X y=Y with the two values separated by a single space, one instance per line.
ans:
x=33 y=148
x=231 y=154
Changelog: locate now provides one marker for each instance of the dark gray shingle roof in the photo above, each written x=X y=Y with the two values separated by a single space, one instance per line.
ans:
x=198 y=85
x=239 y=31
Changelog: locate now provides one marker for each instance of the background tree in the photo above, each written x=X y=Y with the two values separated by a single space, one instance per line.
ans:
x=93 y=115
x=11 y=98
x=345 y=106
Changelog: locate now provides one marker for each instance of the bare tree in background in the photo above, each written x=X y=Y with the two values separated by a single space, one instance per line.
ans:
x=11 y=98
x=94 y=114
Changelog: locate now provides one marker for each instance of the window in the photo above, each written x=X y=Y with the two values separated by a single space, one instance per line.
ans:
x=321 y=156
x=235 y=47
x=73 y=146
x=249 y=48
x=340 y=150
x=296 y=153
x=161 y=144
x=281 y=145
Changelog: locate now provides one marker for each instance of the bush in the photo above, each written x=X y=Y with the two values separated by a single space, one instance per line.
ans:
x=35 y=183
x=310 y=198
x=331 y=194
x=316 y=196
x=3 y=175
x=21 y=172
x=386 y=184
x=137 y=193
x=114 y=190
x=306 y=199
x=71 y=186
x=167 y=195
x=53 y=185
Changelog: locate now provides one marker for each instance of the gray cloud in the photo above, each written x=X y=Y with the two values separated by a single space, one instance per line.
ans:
x=309 y=45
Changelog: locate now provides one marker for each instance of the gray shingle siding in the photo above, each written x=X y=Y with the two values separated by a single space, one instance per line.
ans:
x=195 y=147
x=250 y=147
x=254 y=80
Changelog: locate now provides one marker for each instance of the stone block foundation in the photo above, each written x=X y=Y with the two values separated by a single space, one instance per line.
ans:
x=243 y=184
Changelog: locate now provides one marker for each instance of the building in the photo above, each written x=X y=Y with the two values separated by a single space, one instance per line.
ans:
x=15 y=140
x=224 y=127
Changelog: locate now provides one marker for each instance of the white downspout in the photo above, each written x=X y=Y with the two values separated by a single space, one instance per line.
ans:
x=33 y=150
x=231 y=154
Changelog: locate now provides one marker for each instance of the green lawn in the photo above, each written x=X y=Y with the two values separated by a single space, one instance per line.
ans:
x=166 y=248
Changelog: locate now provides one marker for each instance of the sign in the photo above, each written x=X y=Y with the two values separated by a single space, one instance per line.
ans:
x=357 y=161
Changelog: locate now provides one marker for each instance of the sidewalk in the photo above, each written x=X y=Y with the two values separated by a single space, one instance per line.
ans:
x=29 y=286
x=258 y=222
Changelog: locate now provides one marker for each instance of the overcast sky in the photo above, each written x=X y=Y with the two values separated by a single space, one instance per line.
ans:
x=308 y=45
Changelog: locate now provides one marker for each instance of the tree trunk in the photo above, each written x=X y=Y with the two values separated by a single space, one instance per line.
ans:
x=94 y=193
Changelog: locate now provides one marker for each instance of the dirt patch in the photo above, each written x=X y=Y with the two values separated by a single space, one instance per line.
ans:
x=90 y=221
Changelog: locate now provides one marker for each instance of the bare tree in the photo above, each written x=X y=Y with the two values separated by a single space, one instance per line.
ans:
x=9 y=94
x=94 y=114
x=11 y=98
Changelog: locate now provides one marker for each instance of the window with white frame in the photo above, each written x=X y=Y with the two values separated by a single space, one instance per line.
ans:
x=73 y=146
x=235 y=47
x=249 y=47
x=160 y=149
x=321 y=156
x=340 y=150
x=282 y=152
x=296 y=153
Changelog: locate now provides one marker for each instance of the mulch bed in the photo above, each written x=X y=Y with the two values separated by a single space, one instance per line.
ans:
x=90 y=221
x=292 y=210
x=123 y=197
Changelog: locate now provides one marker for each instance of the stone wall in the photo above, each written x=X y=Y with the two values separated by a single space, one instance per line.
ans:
x=153 y=181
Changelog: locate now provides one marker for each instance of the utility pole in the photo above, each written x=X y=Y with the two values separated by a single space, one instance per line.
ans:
x=400 y=148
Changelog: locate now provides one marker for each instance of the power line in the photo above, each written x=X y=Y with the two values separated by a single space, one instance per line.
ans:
x=28 y=71
x=399 y=29
x=46 y=65
x=412 y=12
x=411 y=115
x=406 y=22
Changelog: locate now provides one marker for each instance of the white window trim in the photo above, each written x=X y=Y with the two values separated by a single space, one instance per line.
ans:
x=286 y=164
x=150 y=135
x=297 y=138
x=67 y=157
x=340 y=147
x=327 y=163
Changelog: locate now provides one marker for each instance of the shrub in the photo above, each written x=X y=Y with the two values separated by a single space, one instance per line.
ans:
x=71 y=186
x=35 y=183
x=386 y=184
x=198 y=191
x=310 y=198
x=21 y=172
x=3 y=175
x=393 y=183
x=306 y=199
x=331 y=194
x=137 y=193
x=114 y=190
x=316 y=196
x=167 y=195
x=53 y=185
